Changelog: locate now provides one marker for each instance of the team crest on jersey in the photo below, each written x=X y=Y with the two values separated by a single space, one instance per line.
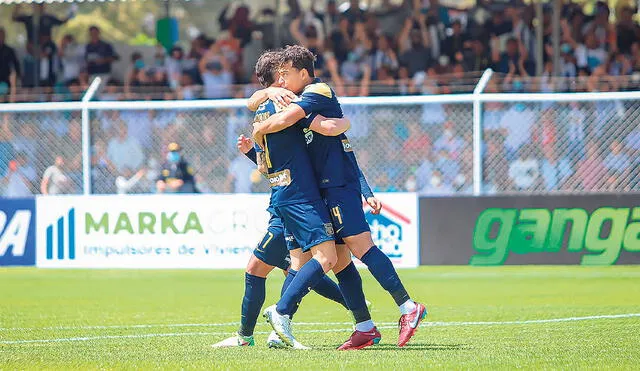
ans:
x=328 y=228
x=308 y=136
x=346 y=145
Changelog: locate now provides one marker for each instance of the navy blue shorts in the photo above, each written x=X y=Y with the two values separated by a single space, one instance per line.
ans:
x=306 y=224
x=272 y=250
x=345 y=208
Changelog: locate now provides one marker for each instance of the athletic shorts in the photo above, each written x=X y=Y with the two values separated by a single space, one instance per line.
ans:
x=306 y=224
x=272 y=250
x=345 y=208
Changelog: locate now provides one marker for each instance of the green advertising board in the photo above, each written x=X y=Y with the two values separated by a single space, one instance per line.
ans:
x=585 y=229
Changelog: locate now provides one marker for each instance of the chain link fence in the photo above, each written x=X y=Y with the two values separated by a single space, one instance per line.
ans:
x=427 y=148
x=561 y=147
x=35 y=144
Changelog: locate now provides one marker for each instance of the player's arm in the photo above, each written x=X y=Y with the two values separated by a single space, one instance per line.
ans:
x=280 y=96
x=330 y=127
x=278 y=122
x=366 y=191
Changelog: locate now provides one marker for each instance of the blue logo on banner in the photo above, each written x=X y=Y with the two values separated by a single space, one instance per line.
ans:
x=385 y=233
x=59 y=242
x=17 y=232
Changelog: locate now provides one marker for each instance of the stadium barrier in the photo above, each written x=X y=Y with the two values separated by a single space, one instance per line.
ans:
x=168 y=231
x=481 y=144
x=600 y=229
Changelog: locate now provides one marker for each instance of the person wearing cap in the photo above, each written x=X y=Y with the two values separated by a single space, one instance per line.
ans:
x=176 y=175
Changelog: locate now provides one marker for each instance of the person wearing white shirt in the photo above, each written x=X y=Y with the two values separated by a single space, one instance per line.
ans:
x=124 y=151
x=54 y=180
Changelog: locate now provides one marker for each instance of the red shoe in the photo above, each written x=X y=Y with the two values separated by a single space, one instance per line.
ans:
x=408 y=324
x=359 y=340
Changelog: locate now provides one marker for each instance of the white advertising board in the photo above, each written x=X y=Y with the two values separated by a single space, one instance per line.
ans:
x=186 y=231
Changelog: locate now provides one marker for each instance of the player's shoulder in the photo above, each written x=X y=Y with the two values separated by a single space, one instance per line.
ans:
x=319 y=88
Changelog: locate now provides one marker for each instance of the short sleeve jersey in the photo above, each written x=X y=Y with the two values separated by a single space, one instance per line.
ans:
x=289 y=170
x=331 y=164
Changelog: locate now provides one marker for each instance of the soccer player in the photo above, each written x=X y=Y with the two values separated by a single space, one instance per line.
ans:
x=272 y=251
x=338 y=174
x=296 y=199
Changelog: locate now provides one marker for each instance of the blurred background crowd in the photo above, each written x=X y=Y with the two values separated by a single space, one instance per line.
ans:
x=370 y=48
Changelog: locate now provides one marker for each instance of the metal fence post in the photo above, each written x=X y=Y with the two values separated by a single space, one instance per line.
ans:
x=86 y=137
x=477 y=131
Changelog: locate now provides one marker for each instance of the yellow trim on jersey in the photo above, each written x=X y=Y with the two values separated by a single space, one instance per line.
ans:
x=266 y=153
x=319 y=88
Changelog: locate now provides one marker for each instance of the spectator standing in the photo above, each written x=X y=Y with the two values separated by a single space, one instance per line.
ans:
x=414 y=45
x=19 y=177
x=124 y=151
x=555 y=171
x=9 y=66
x=175 y=66
x=240 y=174
x=71 y=58
x=627 y=30
x=53 y=180
x=39 y=23
x=455 y=45
x=48 y=61
x=176 y=176
x=99 y=54
x=525 y=171
x=216 y=74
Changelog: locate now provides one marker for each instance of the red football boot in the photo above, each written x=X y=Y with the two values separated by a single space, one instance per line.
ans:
x=408 y=324
x=359 y=340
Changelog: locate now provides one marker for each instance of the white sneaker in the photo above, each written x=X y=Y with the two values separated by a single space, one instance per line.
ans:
x=281 y=325
x=299 y=346
x=235 y=341
x=273 y=341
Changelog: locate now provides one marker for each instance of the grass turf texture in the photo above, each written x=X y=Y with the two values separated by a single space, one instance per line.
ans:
x=65 y=304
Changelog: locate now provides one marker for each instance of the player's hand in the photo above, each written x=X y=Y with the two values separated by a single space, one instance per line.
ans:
x=281 y=96
x=244 y=144
x=375 y=204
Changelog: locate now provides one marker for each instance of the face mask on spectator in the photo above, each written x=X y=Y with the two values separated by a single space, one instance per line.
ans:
x=214 y=66
x=436 y=181
x=518 y=86
x=448 y=133
x=173 y=157
x=139 y=64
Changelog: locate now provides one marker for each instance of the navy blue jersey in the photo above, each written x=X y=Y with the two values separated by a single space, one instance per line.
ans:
x=331 y=164
x=289 y=169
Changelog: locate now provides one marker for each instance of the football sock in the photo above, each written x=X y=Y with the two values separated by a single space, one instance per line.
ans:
x=254 y=295
x=408 y=307
x=329 y=289
x=307 y=277
x=350 y=284
x=382 y=269
x=364 y=326
x=291 y=273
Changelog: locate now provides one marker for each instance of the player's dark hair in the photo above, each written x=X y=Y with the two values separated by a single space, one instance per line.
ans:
x=300 y=57
x=266 y=67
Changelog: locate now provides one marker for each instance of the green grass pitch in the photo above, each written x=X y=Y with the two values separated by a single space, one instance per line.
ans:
x=489 y=318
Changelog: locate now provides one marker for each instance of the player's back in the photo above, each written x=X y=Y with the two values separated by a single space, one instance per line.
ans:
x=328 y=156
x=289 y=168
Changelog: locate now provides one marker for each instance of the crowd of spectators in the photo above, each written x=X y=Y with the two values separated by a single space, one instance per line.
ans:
x=416 y=47
x=412 y=47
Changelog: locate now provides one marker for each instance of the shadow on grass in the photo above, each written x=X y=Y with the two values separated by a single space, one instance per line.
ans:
x=408 y=347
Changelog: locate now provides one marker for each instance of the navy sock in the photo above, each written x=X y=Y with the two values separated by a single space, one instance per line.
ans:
x=287 y=280
x=330 y=290
x=291 y=273
x=254 y=295
x=350 y=284
x=382 y=269
x=306 y=278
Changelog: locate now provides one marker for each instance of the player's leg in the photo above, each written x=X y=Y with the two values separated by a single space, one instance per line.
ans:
x=350 y=284
x=326 y=287
x=266 y=256
x=350 y=222
x=310 y=225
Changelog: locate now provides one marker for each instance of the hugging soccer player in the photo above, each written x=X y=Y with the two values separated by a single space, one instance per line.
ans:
x=339 y=187
x=272 y=251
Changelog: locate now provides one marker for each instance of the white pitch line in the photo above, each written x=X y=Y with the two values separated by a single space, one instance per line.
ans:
x=471 y=323
x=384 y=325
